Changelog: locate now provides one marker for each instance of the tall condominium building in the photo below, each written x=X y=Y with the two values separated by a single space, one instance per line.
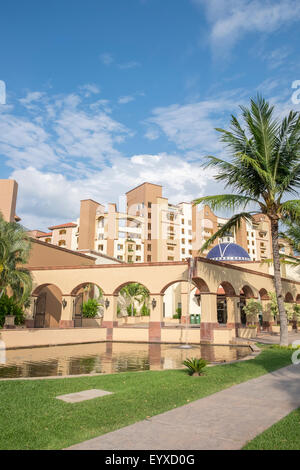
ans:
x=150 y=229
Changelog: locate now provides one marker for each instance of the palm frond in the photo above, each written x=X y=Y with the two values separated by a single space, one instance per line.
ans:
x=234 y=222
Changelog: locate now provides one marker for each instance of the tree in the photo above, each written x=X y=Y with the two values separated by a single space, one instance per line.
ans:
x=262 y=171
x=14 y=252
x=252 y=309
x=134 y=292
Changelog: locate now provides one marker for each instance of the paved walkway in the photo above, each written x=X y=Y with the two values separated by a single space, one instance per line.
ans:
x=225 y=420
x=268 y=338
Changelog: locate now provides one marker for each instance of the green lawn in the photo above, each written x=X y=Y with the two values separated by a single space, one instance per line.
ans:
x=31 y=417
x=284 y=435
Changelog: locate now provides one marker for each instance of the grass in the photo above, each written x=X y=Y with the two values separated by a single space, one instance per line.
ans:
x=284 y=435
x=32 y=418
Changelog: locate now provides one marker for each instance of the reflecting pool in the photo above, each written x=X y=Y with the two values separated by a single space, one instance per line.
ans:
x=109 y=358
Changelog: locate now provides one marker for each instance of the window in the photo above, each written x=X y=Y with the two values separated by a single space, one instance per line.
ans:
x=149 y=205
x=130 y=259
x=149 y=236
x=149 y=247
x=138 y=247
x=62 y=243
x=171 y=248
x=183 y=251
x=120 y=247
x=183 y=241
x=182 y=230
x=190 y=252
x=48 y=240
x=170 y=258
x=138 y=258
x=149 y=226
x=100 y=247
x=149 y=258
x=62 y=232
x=182 y=221
x=120 y=258
x=149 y=215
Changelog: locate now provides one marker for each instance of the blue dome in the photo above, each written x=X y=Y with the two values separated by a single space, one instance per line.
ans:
x=228 y=252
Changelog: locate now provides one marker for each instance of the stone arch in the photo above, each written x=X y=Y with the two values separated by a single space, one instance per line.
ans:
x=247 y=291
x=128 y=307
x=47 y=306
x=225 y=288
x=181 y=299
x=263 y=294
x=117 y=289
x=289 y=298
x=298 y=299
x=82 y=285
x=198 y=282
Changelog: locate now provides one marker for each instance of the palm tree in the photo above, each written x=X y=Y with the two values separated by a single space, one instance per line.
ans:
x=262 y=171
x=134 y=292
x=292 y=234
x=14 y=252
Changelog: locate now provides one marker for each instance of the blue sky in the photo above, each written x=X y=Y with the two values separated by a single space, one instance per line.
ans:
x=103 y=95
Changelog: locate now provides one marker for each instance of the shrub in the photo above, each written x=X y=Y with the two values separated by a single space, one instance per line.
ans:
x=195 y=365
x=177 y=315
x=131 y=312
x=8 y=306
x=145 y=311
x=252 y=309
x=90 y=308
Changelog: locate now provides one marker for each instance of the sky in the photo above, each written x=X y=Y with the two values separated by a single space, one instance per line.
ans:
x=102 y=95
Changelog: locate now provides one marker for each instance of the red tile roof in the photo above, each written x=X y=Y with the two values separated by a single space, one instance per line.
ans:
x=68 y=224
x=45 y=235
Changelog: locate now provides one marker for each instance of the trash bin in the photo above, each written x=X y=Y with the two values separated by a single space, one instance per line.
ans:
x=192 y=319
x=198 y=319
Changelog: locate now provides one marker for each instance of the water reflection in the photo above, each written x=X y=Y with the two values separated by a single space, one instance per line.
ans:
x=108 y=358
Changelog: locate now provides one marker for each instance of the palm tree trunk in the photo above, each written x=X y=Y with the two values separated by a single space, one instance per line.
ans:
x=284 y=341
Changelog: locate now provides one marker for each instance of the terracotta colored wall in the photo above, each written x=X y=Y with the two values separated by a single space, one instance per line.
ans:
x=86 y=239
x=8 y=199
x=44 y=254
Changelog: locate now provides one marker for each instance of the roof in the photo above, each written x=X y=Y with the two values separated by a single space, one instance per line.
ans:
x=228 y=252
x=146 y=182
x=44 y=235
x=67 y=225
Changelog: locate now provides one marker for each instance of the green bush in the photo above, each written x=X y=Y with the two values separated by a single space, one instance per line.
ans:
x=145 y=311
x=129 y=311
x=177 y=315
x=195 y=365
x=90 y=308
x=8 y=306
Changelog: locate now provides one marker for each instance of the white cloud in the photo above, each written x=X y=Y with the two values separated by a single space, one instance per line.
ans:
x=129 y=65
x=125 y=99
x=90 y=89
x=47 y=198
x=106 y=58
x=192 y=126
x=62 y=129
x=232 y=19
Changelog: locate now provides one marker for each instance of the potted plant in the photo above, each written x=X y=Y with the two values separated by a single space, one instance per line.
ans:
x=252 y=310
x=11 y=313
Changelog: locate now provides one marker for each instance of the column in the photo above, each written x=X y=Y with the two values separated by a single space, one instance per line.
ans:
x=66 y=317
x=209 y=319
x=185 y=317
x=233 y=313
x=29 y=320
x=156 y=318
x=268 y=320
x=110 y=320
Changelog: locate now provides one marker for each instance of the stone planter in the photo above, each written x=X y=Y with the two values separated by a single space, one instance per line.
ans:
x=247 y=333
x=9 y=322
x=91 y=322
